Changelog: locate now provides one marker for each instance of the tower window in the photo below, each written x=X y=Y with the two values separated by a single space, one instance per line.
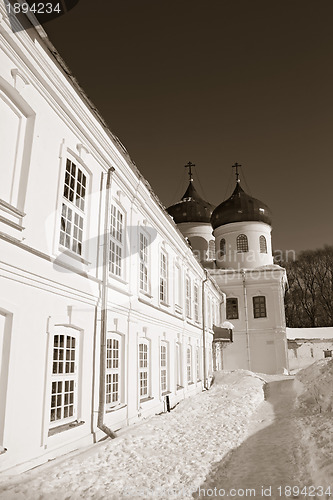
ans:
x=232 y=308
x=222 y=247
x=263 y=244
x=211 y=250
x=259 y=307
x=242 y=243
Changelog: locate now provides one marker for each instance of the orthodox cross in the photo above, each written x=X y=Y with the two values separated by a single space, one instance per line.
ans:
x=236 y=171
x=189 y=166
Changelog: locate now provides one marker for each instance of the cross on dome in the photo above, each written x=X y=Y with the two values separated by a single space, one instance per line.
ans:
x=236 y=171
x=189 y=165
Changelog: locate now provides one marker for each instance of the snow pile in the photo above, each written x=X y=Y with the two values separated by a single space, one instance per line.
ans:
x=166 y=456
x=316 y=424
x=317 y=395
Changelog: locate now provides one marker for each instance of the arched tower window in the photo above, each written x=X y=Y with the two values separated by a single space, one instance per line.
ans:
x=263 y=244
x=242 y=243
x=222 y=246
x=211 y=250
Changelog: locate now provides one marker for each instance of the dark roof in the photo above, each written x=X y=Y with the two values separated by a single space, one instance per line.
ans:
x=240 y=207
x=191 y=208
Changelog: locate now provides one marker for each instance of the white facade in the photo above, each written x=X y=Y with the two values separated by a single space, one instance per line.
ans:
x=307 y=345
x=228 y=239
x=254 y=302
x=59 y=266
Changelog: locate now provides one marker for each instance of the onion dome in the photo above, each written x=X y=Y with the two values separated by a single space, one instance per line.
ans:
x=191 y=208
x=240 y=207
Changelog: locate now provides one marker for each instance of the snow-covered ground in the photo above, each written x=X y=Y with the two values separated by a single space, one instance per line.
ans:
x=316 y=404
x=171 y=455
x=166 y=456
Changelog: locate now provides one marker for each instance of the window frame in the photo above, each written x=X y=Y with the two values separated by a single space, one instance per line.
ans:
x=262 y=244
x=188 y=297
x=77 y=222
x=259 y=306
x=196 y=302
x=164 y=367
x=144 y=284
x=163 y=277
x=222 y=247
x=144 y=369
x=242 y=243
x=63 y=377
x=179 y=365
x=211 y=250
x=233 y=315
x=117 y=233
x=189 y=367
x=113 y=371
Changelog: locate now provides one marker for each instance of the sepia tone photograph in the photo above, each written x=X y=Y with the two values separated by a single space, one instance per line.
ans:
x=166 y=249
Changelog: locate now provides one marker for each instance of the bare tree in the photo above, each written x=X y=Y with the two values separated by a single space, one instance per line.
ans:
x=309 y=300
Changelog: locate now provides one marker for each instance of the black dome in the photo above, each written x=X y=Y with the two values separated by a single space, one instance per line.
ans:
x=191 y=208
x=240 y=207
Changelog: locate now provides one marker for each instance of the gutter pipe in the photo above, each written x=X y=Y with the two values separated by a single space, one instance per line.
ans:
x=204 y=330
x=104 y=313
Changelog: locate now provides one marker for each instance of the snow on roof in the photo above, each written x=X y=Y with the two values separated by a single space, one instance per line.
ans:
x=310 y=333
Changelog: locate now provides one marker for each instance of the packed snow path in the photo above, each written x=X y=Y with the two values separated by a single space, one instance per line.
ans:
x=165 y=457
x=272 y=459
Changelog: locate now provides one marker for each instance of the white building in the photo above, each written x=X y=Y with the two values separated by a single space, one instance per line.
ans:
x=101 y=311
x=107 y=308
x=307 y=345
x=243 y=268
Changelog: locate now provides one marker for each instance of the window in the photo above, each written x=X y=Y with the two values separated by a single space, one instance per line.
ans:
x=259 y=307
x=163 y=277
x=116 y=241
x=143 y=369
x=73 y=206
x=263 y=244
x=327 y=353
x=222 y=247
x=209 y=316
x=64 y=379
x=242 y=243
x=198 y=363
x=189 y=364
x=211 y=250
x=178 y=365
x=143 y=263
x=232 y=308
x=196 y=303
x=188 y=297
x=164 y=360
x=178 y=286
x=112 y=389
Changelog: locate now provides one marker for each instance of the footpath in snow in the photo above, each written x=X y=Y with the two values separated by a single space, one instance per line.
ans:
x=166 y=456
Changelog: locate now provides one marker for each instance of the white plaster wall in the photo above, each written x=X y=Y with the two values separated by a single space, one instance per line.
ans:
x=247 y=260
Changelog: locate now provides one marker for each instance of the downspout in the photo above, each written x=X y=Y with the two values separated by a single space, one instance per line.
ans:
x=104 y=312
x=204 y=330
x=246 y=321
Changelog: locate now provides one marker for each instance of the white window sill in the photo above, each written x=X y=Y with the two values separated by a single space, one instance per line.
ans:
x=119 y=406
x=68 y=253
x=65 y=427
x=144 y=400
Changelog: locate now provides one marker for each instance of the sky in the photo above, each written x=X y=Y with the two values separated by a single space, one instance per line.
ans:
x=214 y=83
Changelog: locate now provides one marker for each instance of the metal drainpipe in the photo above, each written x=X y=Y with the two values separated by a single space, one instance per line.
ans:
x=246 y=321
x=204 y=330
x=104 y=312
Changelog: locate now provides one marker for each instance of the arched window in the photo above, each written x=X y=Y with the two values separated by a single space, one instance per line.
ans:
x=263 y=244
x=211 y=250
x=222 y=247
x=242 y=243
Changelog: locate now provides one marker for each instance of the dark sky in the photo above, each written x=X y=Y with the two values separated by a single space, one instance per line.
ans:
x=215 y=82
